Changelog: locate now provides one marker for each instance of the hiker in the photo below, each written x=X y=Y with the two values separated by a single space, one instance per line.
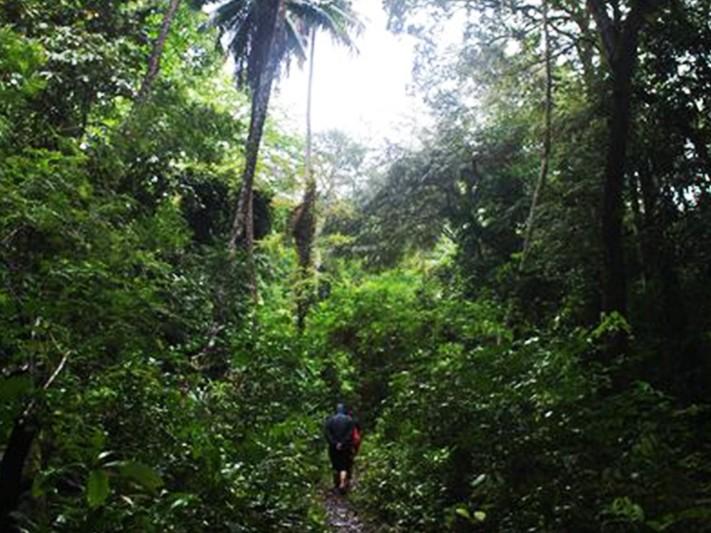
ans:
x=339 y=434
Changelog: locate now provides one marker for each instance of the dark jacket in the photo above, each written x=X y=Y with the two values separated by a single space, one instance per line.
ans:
x=339 y=430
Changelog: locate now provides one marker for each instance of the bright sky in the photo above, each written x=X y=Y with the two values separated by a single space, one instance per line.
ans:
x=363 y=94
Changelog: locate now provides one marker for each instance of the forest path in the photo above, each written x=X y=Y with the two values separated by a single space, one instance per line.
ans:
x=341 y=516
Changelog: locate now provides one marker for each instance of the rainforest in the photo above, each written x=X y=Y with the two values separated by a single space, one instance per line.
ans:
x=512 y=294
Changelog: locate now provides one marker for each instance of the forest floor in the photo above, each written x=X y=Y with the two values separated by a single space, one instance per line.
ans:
x=341 y=515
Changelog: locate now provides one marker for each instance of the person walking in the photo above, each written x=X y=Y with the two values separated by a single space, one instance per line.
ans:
x=339 y=434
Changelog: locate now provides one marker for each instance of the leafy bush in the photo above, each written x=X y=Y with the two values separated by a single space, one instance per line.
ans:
x=480 y=430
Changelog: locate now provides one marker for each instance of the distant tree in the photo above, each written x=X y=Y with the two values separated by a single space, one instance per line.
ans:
x=339 y=162
x=261 y=36
x=615 y=28
x=304 y=223
x=619 y=39
x=545 y=157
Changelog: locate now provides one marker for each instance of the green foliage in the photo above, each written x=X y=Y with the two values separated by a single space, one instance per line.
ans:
x=97 y=488
x=167 y=412
x=365 y=331
x=156 y=395
x=20 y=61
x=476 y=428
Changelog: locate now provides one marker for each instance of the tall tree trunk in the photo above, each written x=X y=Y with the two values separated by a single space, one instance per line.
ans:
x=242 y=233
x=614 y=296
x=23 y=433
x=305 y=219
x=619 y=40
x=308 y=168
x=157 y=52
x=545 y=156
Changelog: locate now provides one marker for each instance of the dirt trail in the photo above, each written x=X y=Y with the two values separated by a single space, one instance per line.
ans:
x=341 y=515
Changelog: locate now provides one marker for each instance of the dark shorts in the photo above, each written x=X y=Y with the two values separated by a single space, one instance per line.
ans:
x=340 y=459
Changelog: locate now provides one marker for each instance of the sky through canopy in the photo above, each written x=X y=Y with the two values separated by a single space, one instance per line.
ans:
x=364 y=94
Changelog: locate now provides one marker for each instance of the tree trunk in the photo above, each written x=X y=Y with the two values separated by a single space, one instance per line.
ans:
x=305 y=220
x=157 y=52
x=614 y=296
x=619 y=45
x=23 y=434
x=243 y=224
x=545 y=156
x=304 y=231
x=308 y=169
x=11 y=469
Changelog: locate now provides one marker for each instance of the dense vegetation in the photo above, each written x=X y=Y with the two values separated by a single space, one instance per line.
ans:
x=518 y=305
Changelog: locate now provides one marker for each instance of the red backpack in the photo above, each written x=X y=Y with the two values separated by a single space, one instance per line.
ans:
x=356 y=437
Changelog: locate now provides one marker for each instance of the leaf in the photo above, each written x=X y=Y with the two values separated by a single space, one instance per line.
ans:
x=13 y=387
x=37 y=490
x=105 y=455
x=182 y=499
x=463 y=512
x=142 y=474
x=97 y=488
x=478 y=481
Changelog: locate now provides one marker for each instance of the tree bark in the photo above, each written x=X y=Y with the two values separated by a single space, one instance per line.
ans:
x=23 y=433
x=622 y=60
x=157 y=52
x=545 y=156
x=242 y=234
x=614 y=278
x=619 y=40
x=305 y=220
x=308 y=169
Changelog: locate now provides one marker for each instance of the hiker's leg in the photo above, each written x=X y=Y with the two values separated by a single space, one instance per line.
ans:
x=335 y=464
x=343 y=478
x=350 y=465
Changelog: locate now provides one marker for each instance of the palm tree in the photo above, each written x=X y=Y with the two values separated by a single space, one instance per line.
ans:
x=261 y=35
x=304 y=220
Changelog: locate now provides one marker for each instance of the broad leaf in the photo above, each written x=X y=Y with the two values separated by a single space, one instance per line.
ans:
x=142 y=474
x=97 y=488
